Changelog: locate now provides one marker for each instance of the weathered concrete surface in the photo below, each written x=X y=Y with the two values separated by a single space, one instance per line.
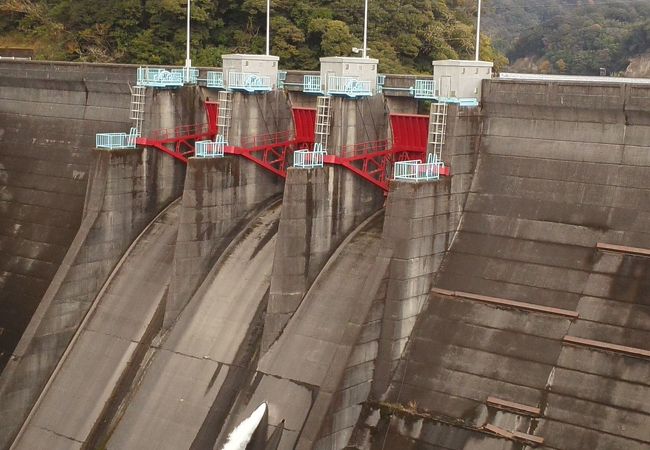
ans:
x=356 y=121
x=125 y=193
x=561 y=168
x=320 y=208
x=49 y=114
x=301 y=371
x=220 y=196
x=193 y=377
x=108 y=346
x=255 y=115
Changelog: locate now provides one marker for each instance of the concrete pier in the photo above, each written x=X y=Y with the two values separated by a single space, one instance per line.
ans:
x=320 y=208
x=220 y=197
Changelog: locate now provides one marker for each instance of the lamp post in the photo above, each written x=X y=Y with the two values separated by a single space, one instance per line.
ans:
x=188 y=61
x=478 y=29
x=268 y=27
x=365 y=30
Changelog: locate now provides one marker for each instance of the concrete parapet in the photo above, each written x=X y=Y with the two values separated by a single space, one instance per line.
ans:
x=320 y=207
x=127 y=189
x=220 y=196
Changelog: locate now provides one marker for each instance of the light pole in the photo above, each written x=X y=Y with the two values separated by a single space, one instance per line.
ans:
x=365 y=31
x=268 y=27
x=478 y=28
x=188 y=61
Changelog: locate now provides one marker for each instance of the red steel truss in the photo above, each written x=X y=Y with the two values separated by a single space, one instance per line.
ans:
x=372 y=161
x=272 y=151
x=179 y=142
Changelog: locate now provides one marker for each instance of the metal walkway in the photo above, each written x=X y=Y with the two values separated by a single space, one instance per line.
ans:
x=271 y=151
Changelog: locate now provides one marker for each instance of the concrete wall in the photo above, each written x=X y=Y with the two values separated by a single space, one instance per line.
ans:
x=49 y=114
x=356 y=121
x=125 y=192
x=220 y=196
x=561 y=167
x=107 y=350
x=418 y=227
x=259 y=114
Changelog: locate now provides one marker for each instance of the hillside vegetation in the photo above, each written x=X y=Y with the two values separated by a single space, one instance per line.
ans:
x=406 y=35
x=569 y=36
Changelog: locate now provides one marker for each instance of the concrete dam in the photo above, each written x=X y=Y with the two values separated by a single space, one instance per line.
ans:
x=154 y=298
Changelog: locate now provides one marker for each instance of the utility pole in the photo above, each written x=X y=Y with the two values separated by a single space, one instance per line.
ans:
x=478 y=29
x=188 y=61
x=268 y=27
x=365 y=31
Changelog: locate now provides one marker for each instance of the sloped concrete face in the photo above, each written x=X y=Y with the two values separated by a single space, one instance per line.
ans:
x=105 y=352
x=208 y=356
x=561 y=168
x=300 y=372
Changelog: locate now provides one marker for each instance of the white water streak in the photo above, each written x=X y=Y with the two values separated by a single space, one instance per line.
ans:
x=241 y=436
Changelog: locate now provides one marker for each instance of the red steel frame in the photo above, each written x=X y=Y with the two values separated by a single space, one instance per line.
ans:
x=184 y=136
x=272 y=151
x=373 y=161
x=370 y=160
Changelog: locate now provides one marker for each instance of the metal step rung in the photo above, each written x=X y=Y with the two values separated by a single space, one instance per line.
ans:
x=323 y=115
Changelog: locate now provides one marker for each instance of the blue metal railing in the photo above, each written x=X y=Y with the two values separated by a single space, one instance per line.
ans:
x=312 y=84
x=249 y=82
x=416 y=170
x=215 y=80
x=381 y=80
x=463 y=102
x=156 y=77
x=348 y=86
x=190 y=76
x=117 y=141
x=308 y=159
x=211 y=149
x=282 y=77
x=425 y=89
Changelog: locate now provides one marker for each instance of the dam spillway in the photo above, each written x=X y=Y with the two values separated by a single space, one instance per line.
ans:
x=151 y=303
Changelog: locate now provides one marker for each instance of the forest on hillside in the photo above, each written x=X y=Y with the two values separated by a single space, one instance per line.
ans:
x=569 y=36
x=406 y=35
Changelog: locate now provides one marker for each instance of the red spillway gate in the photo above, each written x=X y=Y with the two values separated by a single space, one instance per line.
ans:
x=272 y=151
x=304 y=120
x=212 y=113
x=374 y=160
x=410 y=134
